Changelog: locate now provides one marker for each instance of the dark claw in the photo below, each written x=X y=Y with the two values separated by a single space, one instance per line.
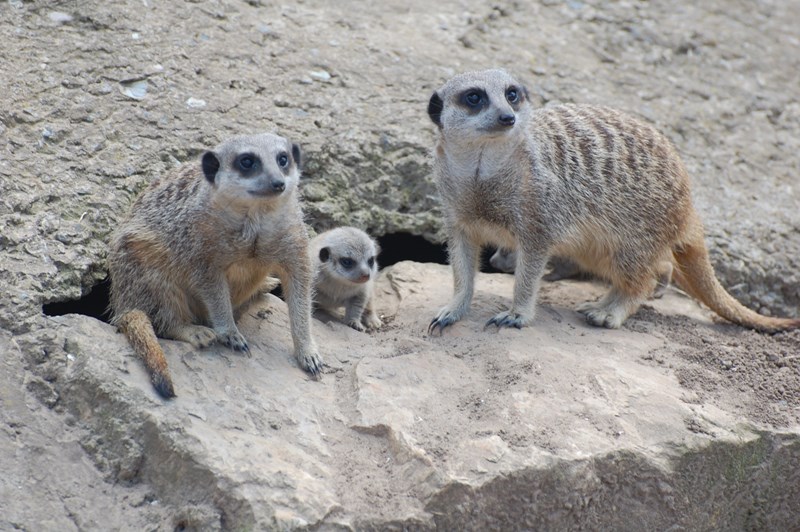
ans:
x=315 y=371
x=439 y=323
x=506 y=321
x=237 y=345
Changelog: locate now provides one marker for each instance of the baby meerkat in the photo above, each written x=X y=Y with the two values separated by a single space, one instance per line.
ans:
x=582 y=182
x=346 y=267
x=200 y=244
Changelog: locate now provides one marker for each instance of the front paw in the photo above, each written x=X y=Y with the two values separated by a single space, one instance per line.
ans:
x=234 y=340
x=311 y=362
x=508 y=319
x=356 y=324
x=372 y=321
x=445 y=319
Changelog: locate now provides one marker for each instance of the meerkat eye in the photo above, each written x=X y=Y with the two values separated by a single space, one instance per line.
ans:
x=247 y=162
x=512 y=95
x=371 y=262
x=347 y=263
x=283 y=160
x=473 y=98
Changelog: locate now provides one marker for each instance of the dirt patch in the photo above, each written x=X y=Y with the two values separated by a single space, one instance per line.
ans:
x=727 y=359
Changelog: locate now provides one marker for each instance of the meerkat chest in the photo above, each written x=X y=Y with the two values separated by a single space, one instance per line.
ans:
x=484 y=200
x=257 y=235
x=482 y=184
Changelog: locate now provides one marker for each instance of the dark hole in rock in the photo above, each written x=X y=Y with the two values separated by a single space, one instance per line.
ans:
x=396 y=247
x=94 y=304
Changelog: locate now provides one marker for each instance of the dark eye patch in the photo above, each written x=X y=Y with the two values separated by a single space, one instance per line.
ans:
x=474 y=99
x=347 y=263
x=371 y=262
x=247 y=163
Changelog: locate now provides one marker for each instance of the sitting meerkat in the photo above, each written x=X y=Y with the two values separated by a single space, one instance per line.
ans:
x=346 y=268
x=199 y=245
x=582 y=182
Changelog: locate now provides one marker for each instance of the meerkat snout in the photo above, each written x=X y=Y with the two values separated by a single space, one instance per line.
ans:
x=507 y=119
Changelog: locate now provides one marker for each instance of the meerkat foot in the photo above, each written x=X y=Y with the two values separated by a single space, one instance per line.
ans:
x=311 y=362
x=508 y=319
x=356 y=324
x=197 y=335
x=372 y=321
x=235 y=341
x=602 y=317
x=610 y=312
x=445 y=319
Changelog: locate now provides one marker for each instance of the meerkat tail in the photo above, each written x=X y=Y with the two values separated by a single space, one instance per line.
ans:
x=694 y=273
x=136 y=326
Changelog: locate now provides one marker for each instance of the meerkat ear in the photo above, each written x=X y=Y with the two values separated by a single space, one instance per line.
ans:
x=324 y=254
x=210 y=165
x=435 y=106
x=296 y=154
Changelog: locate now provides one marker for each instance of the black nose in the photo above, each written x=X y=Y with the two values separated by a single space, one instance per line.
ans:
x=278 y=186
x=507 y=120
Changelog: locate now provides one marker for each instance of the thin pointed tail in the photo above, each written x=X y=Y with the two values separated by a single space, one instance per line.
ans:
x=139 y=330
x=693 y=272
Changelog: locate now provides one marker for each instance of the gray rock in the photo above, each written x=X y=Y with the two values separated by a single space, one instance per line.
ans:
x=472 y=430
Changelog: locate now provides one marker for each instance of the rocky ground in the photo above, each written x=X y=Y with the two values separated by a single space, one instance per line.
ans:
x=673 y=419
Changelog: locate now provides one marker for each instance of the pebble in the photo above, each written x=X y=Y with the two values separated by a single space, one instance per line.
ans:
x=195 y=103
x=320 y=75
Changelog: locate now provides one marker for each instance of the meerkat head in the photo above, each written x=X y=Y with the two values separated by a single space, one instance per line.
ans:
x=349 y=254
x=480 y=106
x=253 y=168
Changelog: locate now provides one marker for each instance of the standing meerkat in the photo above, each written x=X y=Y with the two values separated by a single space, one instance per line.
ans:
x=346 y=268
x=581 y=182
x=198 y=246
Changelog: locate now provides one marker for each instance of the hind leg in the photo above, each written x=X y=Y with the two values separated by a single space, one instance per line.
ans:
x=177 y=319
x=632 y=282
